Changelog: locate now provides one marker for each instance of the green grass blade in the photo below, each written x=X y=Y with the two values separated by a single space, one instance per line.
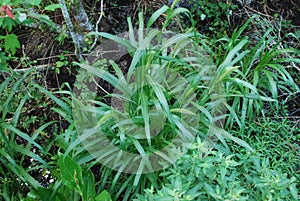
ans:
x=131 y=33
x=15 y=88
x=156 y=15
x=18 y=110
x=234 y=139
x=161 y=97
x=62 y=104
x=117 y=39
x=229 y=58
x=22 y=135
x=141 y=28
x=18 y=170
x=144 y=102
x=32 y=155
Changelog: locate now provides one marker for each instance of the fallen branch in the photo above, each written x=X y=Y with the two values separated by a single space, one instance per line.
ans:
x=38 y=68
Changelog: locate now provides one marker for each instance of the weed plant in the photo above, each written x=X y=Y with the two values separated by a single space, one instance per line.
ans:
x=22 y=154
x=278 y=141
x=237 y=176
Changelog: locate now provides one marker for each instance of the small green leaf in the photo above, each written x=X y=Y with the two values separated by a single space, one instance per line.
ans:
x=209 y=189
x=4 y=67
x=53 y=7
x=103 y=196
x=59 y=64
x=293 y=191
x=35 y=2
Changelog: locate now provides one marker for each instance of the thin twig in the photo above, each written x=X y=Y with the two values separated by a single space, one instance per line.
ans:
x=97 y=24
x=253 y=10
x=98 y=85
x=56 y=56
x=37 y=68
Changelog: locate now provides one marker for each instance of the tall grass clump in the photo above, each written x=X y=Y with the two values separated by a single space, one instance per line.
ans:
x=171 y=87
x=38 y=160
x=253 y=74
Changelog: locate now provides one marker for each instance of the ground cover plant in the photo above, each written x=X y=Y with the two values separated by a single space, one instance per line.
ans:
x=205 y=100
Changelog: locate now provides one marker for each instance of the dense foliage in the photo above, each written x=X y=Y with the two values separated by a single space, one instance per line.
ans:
x=224 y=94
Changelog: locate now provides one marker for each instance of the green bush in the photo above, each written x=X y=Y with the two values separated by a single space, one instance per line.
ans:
x=15 y=14
x=219 y=176
x=156 y=63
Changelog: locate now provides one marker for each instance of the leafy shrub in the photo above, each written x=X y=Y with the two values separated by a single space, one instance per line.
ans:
x=223 y=177
x=13 y=14
x=245 y=74
x=248 y=74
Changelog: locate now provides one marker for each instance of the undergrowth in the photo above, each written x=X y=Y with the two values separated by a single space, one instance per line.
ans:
x=221 y=98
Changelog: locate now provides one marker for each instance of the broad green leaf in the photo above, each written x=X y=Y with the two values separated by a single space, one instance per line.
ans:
x=59 y=64
x=71 y=173
x=88 y=191
x=11 y=43
x=103 y=196
x=156 y=15
x=7 y=22
x=53 y=7
x=34 y=2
